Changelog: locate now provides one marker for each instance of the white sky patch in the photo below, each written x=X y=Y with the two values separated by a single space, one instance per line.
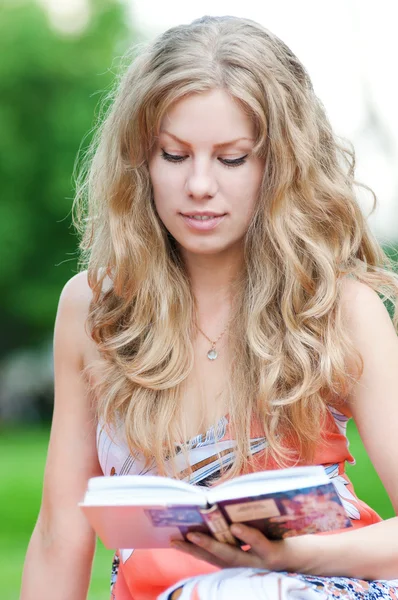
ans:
x=69 y=17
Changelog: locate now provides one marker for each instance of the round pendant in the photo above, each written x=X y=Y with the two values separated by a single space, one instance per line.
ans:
x=212 y=354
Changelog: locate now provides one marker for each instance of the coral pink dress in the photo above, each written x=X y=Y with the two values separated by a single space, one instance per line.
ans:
x=147 y=574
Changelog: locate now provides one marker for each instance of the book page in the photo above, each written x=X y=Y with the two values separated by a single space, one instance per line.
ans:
x=138 y=489
x=267 y=482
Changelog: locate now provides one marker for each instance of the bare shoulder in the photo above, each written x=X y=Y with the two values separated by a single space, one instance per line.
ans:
x=353 y=290
x=362 y=306
x=370 y=328
x=373 y=334
x=77 y=294
x=71 y=322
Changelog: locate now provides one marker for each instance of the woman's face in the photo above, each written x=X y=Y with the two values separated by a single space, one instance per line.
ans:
x=205 y=179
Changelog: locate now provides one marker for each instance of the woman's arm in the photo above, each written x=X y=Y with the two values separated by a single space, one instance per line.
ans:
x=370 y=552
x=61 y=549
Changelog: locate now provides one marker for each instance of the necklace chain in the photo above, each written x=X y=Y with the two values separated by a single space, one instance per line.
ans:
x=212 y=353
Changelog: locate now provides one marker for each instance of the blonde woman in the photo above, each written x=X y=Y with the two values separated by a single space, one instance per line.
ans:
x=231 y=301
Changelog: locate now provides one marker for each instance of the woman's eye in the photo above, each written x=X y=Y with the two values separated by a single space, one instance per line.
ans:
x=234 y=162
x=175 y=158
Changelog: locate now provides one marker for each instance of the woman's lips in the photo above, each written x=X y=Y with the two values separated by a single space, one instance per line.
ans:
x=203 y=224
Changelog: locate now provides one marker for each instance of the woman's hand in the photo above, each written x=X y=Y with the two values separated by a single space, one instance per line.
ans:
x=263 y=553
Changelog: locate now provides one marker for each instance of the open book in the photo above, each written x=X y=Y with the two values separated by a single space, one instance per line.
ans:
x=148 y=511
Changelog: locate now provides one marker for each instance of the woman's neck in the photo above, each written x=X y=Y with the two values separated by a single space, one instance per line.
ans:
x=213 y=273
x=213 y=277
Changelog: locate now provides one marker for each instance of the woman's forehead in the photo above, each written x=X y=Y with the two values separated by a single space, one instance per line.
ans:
x=213 y=117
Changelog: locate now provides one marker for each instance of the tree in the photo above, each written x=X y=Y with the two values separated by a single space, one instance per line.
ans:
x=50 y=90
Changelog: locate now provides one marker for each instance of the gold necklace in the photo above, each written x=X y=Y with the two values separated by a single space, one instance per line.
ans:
x=212 y=353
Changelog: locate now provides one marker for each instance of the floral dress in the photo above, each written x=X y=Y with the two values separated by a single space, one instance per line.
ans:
x=167 y=574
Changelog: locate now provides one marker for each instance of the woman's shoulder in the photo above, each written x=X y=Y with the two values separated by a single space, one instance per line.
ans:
x=360 y=302
x=353 y=289
x=367 y=321
x=70 y=336
x=77 y=293
x=72 y=315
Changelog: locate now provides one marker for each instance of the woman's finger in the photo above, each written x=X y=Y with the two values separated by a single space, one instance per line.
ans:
x=198 y=552
x=267 y=550
x=225 y=554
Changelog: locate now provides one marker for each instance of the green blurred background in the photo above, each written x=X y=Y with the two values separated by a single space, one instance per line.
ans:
x=51 y=86
x=52 y=83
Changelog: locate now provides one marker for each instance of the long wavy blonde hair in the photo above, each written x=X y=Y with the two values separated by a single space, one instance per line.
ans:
x=290 y=347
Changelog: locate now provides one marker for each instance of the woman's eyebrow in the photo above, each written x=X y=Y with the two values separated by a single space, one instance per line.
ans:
x=222 y=145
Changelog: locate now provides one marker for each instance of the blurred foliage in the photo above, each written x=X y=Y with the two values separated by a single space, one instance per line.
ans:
x=51 y=85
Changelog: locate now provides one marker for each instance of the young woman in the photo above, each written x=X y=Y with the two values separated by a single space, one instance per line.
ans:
x=230 y=299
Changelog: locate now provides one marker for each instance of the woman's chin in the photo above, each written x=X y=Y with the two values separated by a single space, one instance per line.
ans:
x=209 y=249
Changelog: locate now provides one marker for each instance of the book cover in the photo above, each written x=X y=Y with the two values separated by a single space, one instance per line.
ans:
x=285 y=514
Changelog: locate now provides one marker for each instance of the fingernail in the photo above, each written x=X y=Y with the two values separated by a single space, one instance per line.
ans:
x=236 y=529
x=175 y=544
x=194 y=537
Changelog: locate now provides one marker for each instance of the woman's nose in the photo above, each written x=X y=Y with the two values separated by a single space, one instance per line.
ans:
x=201 y=182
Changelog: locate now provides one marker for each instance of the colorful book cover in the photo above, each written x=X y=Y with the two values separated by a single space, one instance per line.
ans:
x=277 y=515
x=290 y=513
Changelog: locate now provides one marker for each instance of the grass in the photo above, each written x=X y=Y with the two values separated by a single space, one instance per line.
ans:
x=22 y=458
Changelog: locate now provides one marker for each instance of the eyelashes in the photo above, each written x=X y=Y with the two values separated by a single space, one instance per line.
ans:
x=177 y=159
